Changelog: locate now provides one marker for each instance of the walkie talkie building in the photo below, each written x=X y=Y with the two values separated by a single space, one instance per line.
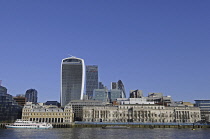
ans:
x=72 y=79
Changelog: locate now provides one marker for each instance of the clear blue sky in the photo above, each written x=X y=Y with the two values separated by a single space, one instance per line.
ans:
x=151 y=45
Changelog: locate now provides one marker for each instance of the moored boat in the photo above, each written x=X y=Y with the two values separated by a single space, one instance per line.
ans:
x=29 y=124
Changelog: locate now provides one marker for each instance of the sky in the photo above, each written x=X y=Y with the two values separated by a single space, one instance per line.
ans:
x=151 y=45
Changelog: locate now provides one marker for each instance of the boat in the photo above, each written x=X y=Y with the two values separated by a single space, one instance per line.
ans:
x=115 y=127
x=29 y=124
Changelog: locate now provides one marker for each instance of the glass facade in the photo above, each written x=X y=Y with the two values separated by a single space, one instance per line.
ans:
x=91 y=80
x=114 y=85
x=31 y=95
x=122 y=88
x=101 y=85
x=204 y=105
x=3 y=91
x=9 y=109
x=72 y=79
x=119 y=85
x=114 y=94
x=101 y=95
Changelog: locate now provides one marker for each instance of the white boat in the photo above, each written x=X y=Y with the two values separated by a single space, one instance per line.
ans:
x=29 y=124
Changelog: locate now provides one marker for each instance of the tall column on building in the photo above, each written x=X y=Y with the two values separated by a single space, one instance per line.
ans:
x=72 y=79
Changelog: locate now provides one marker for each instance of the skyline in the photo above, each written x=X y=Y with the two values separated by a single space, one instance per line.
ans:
x=154 y=46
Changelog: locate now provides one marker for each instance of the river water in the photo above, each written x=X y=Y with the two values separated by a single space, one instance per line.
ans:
x=99 y=133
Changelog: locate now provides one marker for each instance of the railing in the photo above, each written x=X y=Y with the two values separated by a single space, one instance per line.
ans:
x=134 y=123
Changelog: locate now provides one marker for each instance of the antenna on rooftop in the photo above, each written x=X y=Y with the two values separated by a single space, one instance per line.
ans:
x=71 y=55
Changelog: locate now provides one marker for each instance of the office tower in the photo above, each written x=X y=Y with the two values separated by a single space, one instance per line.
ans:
x=91 y=80
x=20 y=99
x=114 y=85
x=204 y=106
x=122 y=88
x=136 y=93
x=101 y=85
x=114 y=94
x=119 y=85
x=101 y=95
x=31 y=95
x=72 y=79
x=9 y=109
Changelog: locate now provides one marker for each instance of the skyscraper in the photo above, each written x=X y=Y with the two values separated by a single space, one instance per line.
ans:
x=114 y=85
x=101 y=85
x=136 y=93
x=119 y=85
x=91 y=79
x=101 y=95
x=122 y=88
x=72 y=79
x=31 y=95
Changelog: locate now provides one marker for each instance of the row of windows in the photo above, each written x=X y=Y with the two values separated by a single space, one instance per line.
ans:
x=24 y=125
x=127 y=107
x=43 y=114
x=53 y=120
x=127 y=115
x=202 y=101
x=126 y=120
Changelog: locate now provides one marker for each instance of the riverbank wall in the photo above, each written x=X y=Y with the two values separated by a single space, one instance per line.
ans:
x=142 y=125
x=131 y=125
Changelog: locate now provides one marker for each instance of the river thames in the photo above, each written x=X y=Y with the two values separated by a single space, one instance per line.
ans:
x=99 y=133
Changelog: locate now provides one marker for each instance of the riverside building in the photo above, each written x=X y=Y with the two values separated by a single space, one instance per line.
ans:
x=77 y=107
x=72 y=79
x=141 y=113
x=47 y=113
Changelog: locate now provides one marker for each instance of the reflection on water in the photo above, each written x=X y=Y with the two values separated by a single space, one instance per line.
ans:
x=99 y=133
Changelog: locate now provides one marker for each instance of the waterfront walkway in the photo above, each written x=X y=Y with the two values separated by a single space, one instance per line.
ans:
x=130 y=124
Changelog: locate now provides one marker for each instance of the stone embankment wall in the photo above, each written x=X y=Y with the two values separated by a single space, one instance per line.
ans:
x=63 y=125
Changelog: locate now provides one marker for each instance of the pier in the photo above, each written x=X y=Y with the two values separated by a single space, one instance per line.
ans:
x=2 y=125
